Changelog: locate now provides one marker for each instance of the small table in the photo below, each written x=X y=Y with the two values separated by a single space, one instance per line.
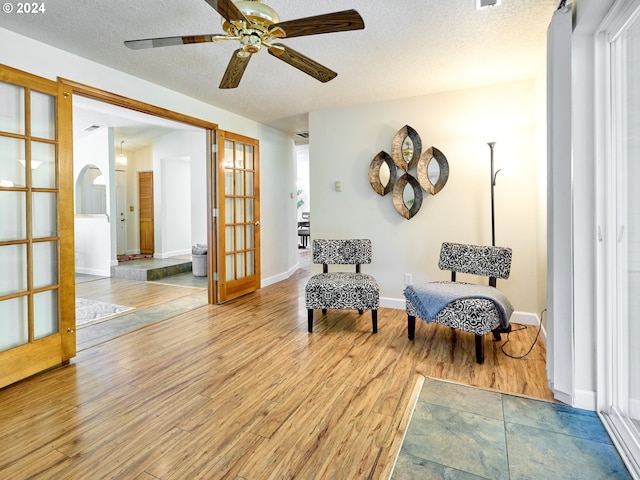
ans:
x=304 y=231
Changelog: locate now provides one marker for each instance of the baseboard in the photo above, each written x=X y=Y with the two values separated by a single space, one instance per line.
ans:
x=93 y=271
x=562 y=397
x=634 y=408
x=525 y=318
x=397 y=303
x=265 y=282
x=585 y=399
x=528 y=318
x=176 y=253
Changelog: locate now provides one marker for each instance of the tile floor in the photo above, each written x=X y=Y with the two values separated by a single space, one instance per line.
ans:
x=462 y=432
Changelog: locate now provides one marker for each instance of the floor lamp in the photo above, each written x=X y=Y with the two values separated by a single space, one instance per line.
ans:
x=493 y=184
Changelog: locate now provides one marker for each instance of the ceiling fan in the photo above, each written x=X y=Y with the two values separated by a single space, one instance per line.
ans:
x=255 y=25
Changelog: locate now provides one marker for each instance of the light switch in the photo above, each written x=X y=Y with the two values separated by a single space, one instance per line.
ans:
x=338 y=186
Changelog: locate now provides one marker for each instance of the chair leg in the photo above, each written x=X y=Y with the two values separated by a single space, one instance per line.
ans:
x=498 y=331
x=360 y=311
x=411 y=326
x=374 y=320
x=479 y=349
x=324 y=311
x=310 y=319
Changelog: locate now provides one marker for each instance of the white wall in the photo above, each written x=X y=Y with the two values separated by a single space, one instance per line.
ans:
x=276 y=148
x=93 y=232
x=344 y=141
x=278 y=214
x=180 y=192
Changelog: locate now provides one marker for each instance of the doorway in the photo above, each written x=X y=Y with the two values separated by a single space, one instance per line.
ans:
x=303 y=200
x=146 y=220
x=127 y=214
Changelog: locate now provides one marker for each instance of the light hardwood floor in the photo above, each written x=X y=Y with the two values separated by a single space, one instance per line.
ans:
x=242 y=391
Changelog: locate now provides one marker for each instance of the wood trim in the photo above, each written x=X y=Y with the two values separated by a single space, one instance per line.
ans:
x=32 y=357
x=131 y=104
x=212 y=204
x=67 y=302
x=25 y=79
x=210 y=127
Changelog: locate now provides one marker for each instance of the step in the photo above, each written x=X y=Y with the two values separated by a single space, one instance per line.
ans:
x=150 y=268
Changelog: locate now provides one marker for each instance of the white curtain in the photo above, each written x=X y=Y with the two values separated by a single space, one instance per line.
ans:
x=560 y=337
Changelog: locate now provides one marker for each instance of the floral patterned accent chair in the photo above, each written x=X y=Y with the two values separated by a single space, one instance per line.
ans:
x=478 y=309
x=342 y=290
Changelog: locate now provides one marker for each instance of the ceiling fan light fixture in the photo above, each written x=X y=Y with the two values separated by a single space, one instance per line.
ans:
x=254 y=25
x=256 y=12
x=251 y=42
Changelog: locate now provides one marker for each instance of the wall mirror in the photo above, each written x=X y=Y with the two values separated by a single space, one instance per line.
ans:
x=432 y=171
x=406 y=148
x=382 y=173
x=407 y=196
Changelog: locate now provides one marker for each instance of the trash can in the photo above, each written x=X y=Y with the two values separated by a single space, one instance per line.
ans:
x=199 y=260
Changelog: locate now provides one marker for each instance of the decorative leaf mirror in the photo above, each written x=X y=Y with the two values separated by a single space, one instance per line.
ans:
x=433 y=170
x=382 y=173
x=406 y=148
x=407 y=196
x=406 y=154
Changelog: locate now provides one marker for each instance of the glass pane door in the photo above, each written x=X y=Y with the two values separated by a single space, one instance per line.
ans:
x=629 y=220
x=239 y=174
x=30 y=236
x=621 y=410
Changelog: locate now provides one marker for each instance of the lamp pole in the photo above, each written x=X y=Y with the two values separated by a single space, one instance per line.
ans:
x=493 y=184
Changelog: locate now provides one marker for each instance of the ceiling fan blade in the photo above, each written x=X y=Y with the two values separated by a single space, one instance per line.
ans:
x=171 y=41
x=327 y=23
x=302 y=63
x=235 y=70
x=228 y=10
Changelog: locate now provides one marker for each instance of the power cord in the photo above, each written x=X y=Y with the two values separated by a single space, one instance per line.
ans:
x=524 y=328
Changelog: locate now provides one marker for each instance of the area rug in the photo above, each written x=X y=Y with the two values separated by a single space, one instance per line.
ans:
x=133 y=256
x=90 y=311
x=458 y=431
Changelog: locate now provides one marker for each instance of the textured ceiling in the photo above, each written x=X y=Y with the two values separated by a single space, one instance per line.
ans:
x=408 y=48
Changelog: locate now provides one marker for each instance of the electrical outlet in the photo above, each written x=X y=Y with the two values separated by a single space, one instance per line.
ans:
x=408 y=279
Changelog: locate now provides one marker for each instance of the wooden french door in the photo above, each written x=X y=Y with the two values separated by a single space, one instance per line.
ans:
x=37 y=284
x=145 y=205
x=239 y=215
